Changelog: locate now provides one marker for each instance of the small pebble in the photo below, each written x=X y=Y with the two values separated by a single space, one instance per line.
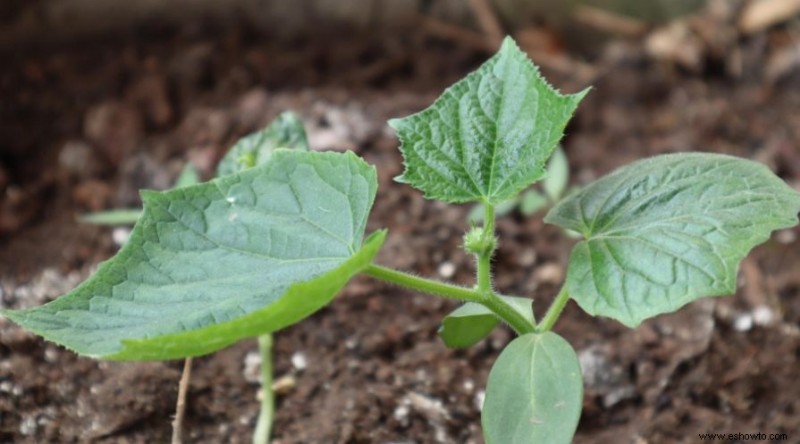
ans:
x=743 y=322
x=763 y=315
x=469 y=386
x=786 y=236
x=527 y=258
x=480 y=397
x=120 y=235
x=252 y=367
x=447 y=269
x=401 y=412
x=299 y=361
x=551 y=273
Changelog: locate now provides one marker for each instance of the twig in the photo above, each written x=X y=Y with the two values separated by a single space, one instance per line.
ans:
x=447 y=31
x=609 y=22
x=487 y=20
x=180 y=409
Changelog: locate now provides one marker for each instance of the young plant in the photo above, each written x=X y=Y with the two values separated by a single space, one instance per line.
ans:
x=286 y=131
x=257 y=250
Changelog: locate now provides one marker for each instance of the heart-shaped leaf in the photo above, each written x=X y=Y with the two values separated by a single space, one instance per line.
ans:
x=471 y=322
x=665 y=231
x=534 y=393
x=488 y=136
x=239 y=256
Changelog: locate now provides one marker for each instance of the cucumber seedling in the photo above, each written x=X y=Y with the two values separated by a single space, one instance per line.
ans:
x=257 y=250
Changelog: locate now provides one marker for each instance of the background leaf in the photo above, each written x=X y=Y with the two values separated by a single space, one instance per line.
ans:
x=471 y=322
x=534 y=393
x=189 y=176
x=555 y=183
x=218 y=252
x=489 y=135
x=665 y=231
x=286 y=131
x=112 y=217
x=531 y=201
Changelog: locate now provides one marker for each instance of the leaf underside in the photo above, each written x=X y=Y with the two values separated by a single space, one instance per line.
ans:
x=665 y=231
x=489 y=135
x=534 y=393
x=242 y=255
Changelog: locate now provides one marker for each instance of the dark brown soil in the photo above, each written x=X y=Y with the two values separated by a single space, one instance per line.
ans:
x=370 y=368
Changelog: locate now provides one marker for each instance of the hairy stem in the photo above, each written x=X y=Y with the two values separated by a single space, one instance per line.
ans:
x=554 y=312
x=450 y=291
x=484 y=258
x=422 y=285
x=264 y=425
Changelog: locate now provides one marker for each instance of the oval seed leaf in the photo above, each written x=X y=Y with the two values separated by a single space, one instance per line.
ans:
x=534 y=393
x=471 y=322
x=239 y=256
x=489 y=135
x=665 y=231
x=286 y=131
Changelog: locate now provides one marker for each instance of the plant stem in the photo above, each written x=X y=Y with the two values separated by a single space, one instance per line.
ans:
x=264 y=425
x=498 y=306
x=423 y=285
x=484 y=258
x=489 y=298
x=180 y=409
x=554 y=312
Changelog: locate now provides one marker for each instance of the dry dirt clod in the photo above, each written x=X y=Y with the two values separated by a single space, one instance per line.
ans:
x=151 y=93
x=761 y=14
x=80 y=160
x=251 y=108
x=116 y=128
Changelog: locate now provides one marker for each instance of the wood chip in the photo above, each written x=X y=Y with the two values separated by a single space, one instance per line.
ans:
x=610 y=22
x=761 y=14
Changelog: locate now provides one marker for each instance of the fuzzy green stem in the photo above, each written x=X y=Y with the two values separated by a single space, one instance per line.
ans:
x=484 y=258
x=554 y=312
x=498 y=306
x=422 y=285
x=264 y=425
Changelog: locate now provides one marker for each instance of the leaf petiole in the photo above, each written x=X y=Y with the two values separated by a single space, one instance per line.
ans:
x=554 y=312
x=429 y=286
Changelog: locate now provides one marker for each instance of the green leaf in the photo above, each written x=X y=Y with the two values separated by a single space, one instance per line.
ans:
x=557 y=177
x=286 y=131
x=189 y=176
x=489 y=135
x=666 y=231
x=478 y=212
x=239 y=256
x=531 y=201
x=112 y=217
x=471 y=322
x=534 y=393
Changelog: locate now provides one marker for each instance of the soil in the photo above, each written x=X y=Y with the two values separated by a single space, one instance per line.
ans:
x=84 y=127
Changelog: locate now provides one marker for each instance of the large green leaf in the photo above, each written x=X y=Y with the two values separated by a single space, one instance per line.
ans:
x=471 y=322
x=286 y=131
x=489 y=135
x=239 y=256
x=534 y=393
x=665 y=231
